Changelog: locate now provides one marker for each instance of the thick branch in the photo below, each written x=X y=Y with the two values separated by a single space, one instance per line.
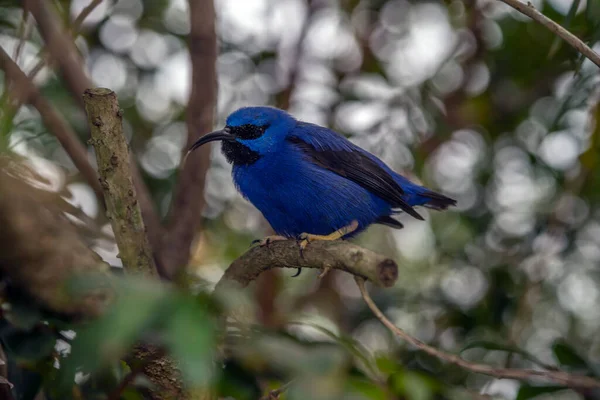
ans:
x=563 y=378
x=106 y=122
x=40 y=250
x=24 y=90
x=340 y=255
x=105 y=119
x=188 y=196
x=529 y=10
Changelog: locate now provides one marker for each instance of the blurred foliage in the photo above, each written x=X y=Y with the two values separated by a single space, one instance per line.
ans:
x=467 y=95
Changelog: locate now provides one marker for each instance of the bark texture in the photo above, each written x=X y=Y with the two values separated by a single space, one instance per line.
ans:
x=342 y=255
x=105 y=119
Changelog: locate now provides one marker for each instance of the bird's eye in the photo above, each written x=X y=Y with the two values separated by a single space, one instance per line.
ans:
x=248 y=131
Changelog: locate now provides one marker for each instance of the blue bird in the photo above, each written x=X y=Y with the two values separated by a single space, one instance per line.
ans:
x=310 y=182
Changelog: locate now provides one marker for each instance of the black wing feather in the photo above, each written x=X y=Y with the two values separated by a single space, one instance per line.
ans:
x=361 y=169
x=389 y=221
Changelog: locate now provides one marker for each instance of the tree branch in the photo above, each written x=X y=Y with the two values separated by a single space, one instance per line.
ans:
x=341 y=255
x=78 y=21
x=105 y=119
x=188 y=195
x=163 y=373
x=24 y=32
x=60 y=46
x=75 y=27
x=365 y=264
x=24 y=91
x=563 y=378
x=530 y=11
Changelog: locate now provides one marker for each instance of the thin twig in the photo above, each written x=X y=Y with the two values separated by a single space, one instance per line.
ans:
x=78 y=21
x=75 y=30
x=24 y=91
x=559 y=377
x=45 y=59
x=24 y=32
x=60 y=46
x=529 y=10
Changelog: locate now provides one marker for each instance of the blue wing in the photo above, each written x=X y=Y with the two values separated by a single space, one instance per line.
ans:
x=332 y=151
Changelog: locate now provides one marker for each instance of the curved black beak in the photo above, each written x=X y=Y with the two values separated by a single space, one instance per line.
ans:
x=211 y=137
x=222 y=134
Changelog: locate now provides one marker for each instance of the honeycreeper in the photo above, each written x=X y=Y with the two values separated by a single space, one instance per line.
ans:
x=310 y=182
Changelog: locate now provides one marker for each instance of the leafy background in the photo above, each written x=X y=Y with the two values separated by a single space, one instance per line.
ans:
x=468 y=97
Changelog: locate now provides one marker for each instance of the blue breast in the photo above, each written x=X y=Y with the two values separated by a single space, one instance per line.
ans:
x=296 y=196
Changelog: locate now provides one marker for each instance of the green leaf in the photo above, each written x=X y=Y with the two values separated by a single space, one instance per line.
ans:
x=190 y=335
x=592 y=13
x=413 y=385
x=366 y=388
x=529 y=392
x=386 y=365
x=567 y=356
x=139 y=304
x=488 y=345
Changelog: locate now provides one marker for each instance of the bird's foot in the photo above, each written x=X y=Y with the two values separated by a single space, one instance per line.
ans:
x=266 y=241
x=305 y=238
x=297 y=273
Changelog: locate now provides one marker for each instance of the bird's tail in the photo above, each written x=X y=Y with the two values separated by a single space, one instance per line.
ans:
x=435 y=200
x=420 y=196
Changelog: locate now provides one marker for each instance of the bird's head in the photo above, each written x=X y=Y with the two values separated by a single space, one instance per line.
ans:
x=250 y=133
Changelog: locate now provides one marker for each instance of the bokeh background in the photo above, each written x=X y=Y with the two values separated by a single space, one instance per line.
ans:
x=468 y=97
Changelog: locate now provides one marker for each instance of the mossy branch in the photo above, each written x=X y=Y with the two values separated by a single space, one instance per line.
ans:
x=112 y=152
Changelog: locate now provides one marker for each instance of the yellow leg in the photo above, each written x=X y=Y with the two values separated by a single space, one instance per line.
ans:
x=306 y=238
